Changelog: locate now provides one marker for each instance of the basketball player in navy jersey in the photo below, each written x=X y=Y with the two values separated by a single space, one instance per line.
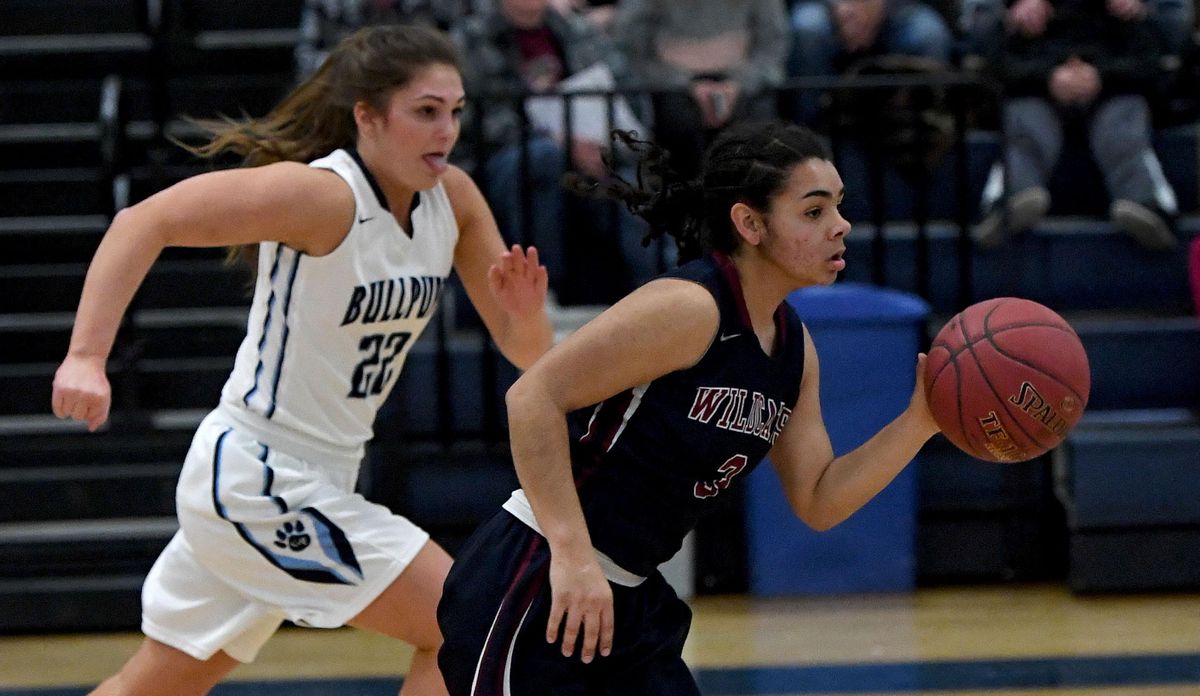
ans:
x=624 y=434
x=357 y=221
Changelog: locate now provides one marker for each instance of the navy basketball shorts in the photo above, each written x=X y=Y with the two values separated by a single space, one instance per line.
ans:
x=493 y=614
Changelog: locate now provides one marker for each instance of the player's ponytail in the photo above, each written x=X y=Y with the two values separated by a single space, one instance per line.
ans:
x=671 y=204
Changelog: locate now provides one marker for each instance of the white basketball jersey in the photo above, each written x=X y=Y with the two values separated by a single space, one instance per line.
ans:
x=328 y=335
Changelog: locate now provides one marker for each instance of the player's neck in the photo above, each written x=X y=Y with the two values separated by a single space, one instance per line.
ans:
x=762 y=292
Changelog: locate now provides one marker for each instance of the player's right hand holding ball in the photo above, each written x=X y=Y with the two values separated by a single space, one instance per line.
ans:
x=919 y=402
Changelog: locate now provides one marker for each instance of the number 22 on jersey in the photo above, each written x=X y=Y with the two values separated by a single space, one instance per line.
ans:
x=374 y=371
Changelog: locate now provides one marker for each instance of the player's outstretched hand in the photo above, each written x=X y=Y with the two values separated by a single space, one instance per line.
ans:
x=81 y=391
x=919 y=403
x=518 y=281
x=581 y=603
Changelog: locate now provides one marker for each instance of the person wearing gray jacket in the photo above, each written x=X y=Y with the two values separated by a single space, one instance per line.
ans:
x=711 y=62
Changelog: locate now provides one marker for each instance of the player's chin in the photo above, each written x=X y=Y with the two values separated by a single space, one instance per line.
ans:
x=830 y=273
x=811 y=279
x=425 y=183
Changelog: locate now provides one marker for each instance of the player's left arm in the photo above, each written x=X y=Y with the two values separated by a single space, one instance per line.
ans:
x=824 y=490
x=506 y=286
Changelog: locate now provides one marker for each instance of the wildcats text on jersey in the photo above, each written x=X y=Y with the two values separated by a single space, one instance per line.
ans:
x=394 y=298
x=740 y=411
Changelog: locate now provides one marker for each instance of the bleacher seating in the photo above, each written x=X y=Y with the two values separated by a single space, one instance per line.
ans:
x=1132 y=309
x=86 y=514
x=1129 y=480
x=43 y=40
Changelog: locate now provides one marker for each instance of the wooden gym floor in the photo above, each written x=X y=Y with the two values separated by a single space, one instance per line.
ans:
x=973 y=641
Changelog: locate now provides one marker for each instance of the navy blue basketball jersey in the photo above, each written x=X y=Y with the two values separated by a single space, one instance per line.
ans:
x=649 y=462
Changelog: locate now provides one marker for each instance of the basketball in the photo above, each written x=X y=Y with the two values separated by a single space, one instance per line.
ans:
x=1007 y=379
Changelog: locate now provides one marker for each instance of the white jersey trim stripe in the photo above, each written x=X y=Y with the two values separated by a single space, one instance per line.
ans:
x=287 y=305
x=511 y=649
x=262 y=339
x=629 y=410
x=486 y=641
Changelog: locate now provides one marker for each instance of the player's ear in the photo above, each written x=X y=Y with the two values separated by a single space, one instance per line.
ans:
x=364 y=114
x=748 y=223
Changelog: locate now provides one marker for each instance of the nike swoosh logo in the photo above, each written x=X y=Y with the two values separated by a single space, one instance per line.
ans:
x=366 y=219
x=726 y=337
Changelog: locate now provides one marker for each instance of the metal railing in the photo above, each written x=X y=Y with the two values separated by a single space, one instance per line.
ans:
x=959 y=97
x=958 y=93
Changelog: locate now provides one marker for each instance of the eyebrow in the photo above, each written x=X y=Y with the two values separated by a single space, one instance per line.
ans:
x=439 y=98
x=822 y=193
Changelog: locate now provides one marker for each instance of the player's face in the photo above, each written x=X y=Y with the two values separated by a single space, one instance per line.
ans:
x=806 y=234
x=419 y=127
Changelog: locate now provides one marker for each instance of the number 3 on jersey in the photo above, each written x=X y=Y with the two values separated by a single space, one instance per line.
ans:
x=375 y=369
x=732 y=467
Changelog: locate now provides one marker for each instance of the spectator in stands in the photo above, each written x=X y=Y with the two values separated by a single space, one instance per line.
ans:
x=721 y=59
x=830 y=36
x=323 y=23
x=983 y=23
x=1087 y=65
x=357 y=220
x=527 y=46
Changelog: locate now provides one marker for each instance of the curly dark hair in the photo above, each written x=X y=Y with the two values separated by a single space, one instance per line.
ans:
x=748 y=163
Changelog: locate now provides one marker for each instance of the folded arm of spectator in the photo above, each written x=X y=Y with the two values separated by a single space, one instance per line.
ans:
x=1133 y=66
x=769 y=45
x=634 y=30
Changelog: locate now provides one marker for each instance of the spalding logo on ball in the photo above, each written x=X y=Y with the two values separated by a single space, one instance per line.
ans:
x=1007 y=379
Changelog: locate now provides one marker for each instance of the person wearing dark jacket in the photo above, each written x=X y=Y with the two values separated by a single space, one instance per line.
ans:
x=1089 y=65
x=529 y=47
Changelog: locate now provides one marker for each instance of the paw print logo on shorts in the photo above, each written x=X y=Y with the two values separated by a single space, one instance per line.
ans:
x=292 y=536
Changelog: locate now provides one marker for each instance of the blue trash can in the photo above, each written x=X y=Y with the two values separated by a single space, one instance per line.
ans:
x=867 y=340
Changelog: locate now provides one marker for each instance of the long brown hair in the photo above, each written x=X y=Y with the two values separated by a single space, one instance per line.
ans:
x=317 y=117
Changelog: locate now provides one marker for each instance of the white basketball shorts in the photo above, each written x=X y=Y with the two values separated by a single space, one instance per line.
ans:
x=266 y=536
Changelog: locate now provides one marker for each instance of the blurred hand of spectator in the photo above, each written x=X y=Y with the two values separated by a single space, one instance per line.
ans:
x=702 y=91
x=1075 y=82
x=858 y=22
x=1126 y=10
x=1029 y=17
x=588 y=157
x=602 y=16
x=716 y=99
x=732 y=90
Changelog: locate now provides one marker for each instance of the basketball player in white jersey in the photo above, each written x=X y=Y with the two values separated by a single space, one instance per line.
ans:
x=357 y=221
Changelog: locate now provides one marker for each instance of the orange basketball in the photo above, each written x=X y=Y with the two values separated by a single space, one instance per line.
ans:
x=1007 y=379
